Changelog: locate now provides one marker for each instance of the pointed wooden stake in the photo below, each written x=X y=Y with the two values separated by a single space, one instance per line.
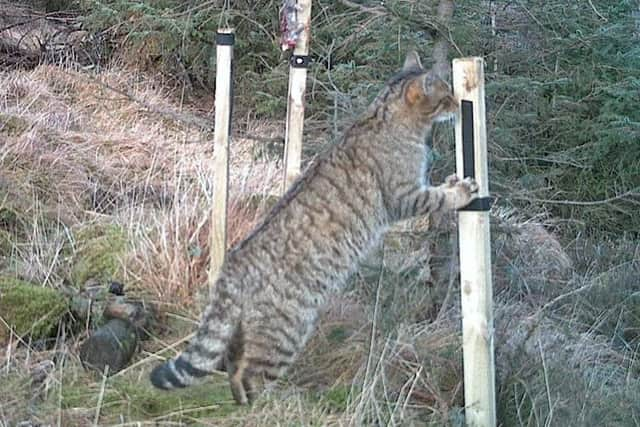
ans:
x=295 y=106
x=223 y=105
x=475 y=247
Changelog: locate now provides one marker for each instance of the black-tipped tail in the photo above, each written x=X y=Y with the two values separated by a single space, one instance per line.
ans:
x=177 y=373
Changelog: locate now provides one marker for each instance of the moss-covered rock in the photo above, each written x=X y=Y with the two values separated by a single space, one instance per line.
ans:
x=99 y=248
x=29 y=309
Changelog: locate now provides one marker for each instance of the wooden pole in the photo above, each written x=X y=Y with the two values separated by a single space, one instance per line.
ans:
x=295 y=107
x=475 y=247
x=223 y=106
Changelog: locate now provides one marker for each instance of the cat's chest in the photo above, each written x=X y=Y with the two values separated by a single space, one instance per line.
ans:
x=425 y=167
x=417 y=164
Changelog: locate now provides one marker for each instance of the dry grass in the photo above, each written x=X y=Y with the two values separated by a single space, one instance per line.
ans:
x=85 y=153
x=79 y=159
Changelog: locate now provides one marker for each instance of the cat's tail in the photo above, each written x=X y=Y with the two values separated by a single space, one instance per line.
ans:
x=205 y=353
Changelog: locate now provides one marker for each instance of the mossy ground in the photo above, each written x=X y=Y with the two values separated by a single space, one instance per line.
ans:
x=77 y=398
x=129 y=398
x=29 y=309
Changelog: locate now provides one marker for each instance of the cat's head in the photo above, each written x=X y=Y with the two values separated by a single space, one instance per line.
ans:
x=417 y=97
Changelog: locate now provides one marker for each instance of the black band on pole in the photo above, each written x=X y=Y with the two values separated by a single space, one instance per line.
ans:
x=468 y=146
x=481 y=204
x=225 y=39
x=300 y=61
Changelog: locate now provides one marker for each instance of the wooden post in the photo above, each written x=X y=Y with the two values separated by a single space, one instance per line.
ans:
x=475 y=247
x=295 y=107
x=223 y=106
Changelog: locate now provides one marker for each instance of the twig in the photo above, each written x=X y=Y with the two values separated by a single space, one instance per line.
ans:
x=546 y=382
x=596 y=12
x=631 y=193
x=589 y=285
x=379 y=11
x=188 y=119
x=376 y=308
x=154 y=355
x=96 y=418
x=453 y=270
x=565 y=295
x=18 y=24
x=35 y=16
x=264 y=139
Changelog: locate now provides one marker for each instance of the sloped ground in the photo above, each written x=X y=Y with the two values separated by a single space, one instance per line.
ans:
x=95 y=185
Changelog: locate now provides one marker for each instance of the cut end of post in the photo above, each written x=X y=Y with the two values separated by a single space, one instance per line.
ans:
x=471 y=70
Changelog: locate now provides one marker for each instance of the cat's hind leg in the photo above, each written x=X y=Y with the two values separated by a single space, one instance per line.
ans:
x=236 y=364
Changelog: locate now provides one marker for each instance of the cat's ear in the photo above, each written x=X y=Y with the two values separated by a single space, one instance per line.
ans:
x=428 y=81
x=420 y=87
x=414 y=91
x=412 y=61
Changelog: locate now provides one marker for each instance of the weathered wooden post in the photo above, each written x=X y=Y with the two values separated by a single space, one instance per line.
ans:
x=223 y=106
x=298 y=65
x=475 y=250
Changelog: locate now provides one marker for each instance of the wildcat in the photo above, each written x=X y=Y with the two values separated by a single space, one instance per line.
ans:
x=274 y=284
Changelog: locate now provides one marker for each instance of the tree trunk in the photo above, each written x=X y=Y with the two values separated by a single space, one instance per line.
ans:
x=441 y=64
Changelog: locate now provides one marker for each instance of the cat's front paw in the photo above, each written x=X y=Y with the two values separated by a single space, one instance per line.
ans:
x=466 y=190
x=451 y=180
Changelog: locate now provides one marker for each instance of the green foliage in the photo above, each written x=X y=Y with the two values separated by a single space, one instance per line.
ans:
x=610 y=306
x=562 y=105
x=99 y=249
x=336 y=398
x=134 y=399
x=29 y=309
x=523 y=400
x=585 y=348
x=561 y=94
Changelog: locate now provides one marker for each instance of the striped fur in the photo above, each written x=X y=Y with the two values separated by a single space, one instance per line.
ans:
x=274 y=283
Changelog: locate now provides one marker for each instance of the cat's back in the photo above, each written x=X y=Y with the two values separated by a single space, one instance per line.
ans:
x=327 y=214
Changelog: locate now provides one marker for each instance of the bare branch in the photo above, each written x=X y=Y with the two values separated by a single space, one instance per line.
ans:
x=629 y=194
x=379 y=11
x=188 y=119
x=596 y=12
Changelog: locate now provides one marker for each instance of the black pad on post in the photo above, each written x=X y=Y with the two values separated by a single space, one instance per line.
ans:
x=225 y=39
x=300 y=61
x=468 y=157
x=468 y=148
x=480 y=204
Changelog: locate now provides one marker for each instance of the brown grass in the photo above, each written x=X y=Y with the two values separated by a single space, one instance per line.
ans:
x=86 y=151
